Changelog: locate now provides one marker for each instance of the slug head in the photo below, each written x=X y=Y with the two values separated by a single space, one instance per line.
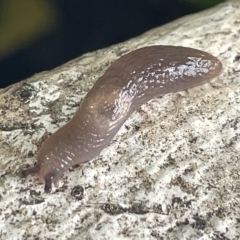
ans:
x=51 y=157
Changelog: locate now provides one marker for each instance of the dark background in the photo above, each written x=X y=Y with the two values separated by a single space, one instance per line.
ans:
x=73 y=27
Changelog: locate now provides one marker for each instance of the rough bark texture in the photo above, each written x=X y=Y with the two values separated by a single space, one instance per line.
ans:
x=172 y=172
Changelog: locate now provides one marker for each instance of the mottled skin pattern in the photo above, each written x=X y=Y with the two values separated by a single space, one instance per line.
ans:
x=129 y=82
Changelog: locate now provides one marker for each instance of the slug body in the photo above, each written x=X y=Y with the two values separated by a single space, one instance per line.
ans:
x=129 y=82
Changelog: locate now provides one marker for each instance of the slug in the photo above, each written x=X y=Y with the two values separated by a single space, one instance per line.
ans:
x=129 y=82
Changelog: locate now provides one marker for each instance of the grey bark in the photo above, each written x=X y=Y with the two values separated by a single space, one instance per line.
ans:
x=172 y=171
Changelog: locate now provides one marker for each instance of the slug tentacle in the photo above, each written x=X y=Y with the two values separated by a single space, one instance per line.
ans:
x=48 y=182
x=129 y=82
x=26 y=172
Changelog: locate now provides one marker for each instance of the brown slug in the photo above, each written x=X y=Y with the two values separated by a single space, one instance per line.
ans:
x=129 y=82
